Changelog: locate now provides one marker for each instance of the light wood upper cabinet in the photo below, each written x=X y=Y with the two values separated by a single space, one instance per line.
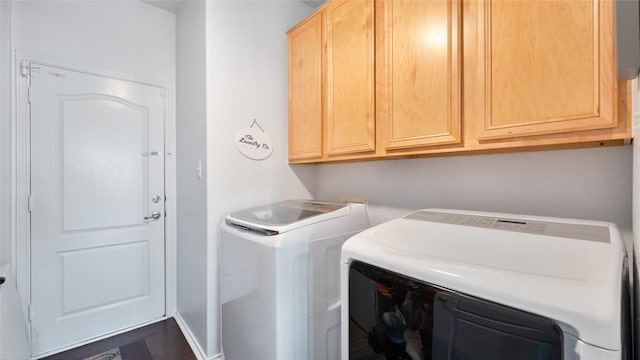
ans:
x=403 y=78
x=545 y=67
x=305 y=90
x=349 y=77
x=419 y=82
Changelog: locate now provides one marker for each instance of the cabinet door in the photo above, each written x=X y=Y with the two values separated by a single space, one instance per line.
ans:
x=545 y=67
x=349 y=112
x=419 y=72
x=305 y=90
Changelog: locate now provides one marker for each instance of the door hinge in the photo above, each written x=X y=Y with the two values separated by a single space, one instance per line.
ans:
x=29 y=203
x=29 y=312
x=29 y=94
x=24 y=68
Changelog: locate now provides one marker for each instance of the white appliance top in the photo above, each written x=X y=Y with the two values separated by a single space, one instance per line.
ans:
x=286 y=215
x=565 y=269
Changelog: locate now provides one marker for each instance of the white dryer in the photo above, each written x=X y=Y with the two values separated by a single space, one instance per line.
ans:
x=280 y=279
x=449 y=284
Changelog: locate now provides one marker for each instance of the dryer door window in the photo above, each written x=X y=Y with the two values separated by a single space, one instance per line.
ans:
x=395 y=317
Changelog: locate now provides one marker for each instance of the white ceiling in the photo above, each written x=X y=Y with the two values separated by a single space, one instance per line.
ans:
x=313 y=3
x=169 y=5
x=174 y=5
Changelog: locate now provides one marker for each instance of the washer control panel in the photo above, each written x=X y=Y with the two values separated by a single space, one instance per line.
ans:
x=548 y=228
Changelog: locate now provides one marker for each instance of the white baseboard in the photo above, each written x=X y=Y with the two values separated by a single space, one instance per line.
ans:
x=218 y=357
x=193 y=343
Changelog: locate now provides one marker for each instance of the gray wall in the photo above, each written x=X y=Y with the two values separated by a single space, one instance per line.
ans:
x=636 y=215
x=246 y=80
x=191 y=191
x=6 y=248
x=585 y=183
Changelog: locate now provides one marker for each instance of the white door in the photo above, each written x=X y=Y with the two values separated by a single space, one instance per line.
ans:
x=97 y=175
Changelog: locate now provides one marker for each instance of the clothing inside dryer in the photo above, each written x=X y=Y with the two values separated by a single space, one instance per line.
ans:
x=395 y=317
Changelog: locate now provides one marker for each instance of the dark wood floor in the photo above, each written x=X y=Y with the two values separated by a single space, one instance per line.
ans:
x=164 y=341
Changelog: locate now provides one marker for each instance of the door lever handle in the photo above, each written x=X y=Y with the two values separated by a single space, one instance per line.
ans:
x=154 y=216
x=152 y=153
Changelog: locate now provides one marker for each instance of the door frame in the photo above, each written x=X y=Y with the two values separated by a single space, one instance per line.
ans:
x=22 y=176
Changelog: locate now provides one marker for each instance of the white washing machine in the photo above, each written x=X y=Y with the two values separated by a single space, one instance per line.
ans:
x=280 y=279
x=449 y=284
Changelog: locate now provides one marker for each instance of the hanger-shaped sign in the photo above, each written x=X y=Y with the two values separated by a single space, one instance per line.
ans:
x=254 y=144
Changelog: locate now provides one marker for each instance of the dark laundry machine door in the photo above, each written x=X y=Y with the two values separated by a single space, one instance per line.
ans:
x=393 y=316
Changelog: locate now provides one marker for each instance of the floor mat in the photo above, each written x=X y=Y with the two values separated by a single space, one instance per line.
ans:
x=135 y=351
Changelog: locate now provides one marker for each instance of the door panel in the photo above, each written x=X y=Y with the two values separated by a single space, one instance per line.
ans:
x=547 y=28
x=128 y=281
x=97 y=159
x=98 y=177
x=350 y=75
x=545 y=67
x=305 y=90
x=419 y=84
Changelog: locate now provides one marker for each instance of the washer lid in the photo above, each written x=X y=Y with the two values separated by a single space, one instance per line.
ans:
x=567 y=270
x=286 y=215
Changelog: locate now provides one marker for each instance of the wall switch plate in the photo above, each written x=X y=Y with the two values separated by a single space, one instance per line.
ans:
x=199 y=169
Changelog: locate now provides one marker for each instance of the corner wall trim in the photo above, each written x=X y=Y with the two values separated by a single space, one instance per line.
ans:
x=193 y=343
